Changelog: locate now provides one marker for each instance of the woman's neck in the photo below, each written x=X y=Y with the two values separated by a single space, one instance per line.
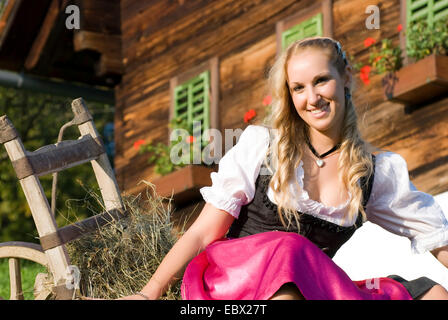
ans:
x=322 y=142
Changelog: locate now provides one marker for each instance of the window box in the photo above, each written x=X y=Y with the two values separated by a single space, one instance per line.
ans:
x=184 y=184
x=419 y=82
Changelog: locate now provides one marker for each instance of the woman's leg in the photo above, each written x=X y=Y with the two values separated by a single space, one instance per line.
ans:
x=288 y=291
x=435 y=293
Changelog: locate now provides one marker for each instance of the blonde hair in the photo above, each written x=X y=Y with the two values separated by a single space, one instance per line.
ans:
x=286 y=150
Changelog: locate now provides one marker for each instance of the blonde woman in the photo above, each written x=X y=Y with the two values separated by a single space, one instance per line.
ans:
x=287 y=196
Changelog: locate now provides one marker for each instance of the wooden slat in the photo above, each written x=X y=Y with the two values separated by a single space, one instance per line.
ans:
x=15 y=279
x=78 y=229
x=60 y=156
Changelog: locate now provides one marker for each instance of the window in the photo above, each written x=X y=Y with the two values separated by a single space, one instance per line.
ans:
x=316 y=20
x=308 y=28
x=192 y=101
x=432 y=10
x=412 y=10
x=194 y=96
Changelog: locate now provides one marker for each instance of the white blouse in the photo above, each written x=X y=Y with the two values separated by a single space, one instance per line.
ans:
x=394 y=204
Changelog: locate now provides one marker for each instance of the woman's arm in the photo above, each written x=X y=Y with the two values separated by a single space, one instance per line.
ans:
x=212 y=224
x=441 y=254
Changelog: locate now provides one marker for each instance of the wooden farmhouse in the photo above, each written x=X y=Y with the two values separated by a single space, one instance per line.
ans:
x=208 y=61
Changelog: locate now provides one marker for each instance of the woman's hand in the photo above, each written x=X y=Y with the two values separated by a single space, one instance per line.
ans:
x=441 y=254
x=134 y=297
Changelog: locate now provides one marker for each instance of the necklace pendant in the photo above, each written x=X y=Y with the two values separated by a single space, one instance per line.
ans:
x=320 y=162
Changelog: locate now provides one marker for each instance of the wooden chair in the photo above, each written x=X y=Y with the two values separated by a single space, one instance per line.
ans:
x=50 y=159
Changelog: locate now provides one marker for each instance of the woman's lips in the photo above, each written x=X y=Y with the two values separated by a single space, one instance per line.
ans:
x=321 y=113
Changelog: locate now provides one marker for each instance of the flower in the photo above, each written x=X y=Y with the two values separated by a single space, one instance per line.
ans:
x=191 y=139
x=364 y=74
x=377 y=59
x=249 y=115
x=138 y=143
x=399 y=27
x=267 y=100
x=368 y=42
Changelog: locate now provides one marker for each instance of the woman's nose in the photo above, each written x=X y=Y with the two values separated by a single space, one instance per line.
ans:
x=313 y=96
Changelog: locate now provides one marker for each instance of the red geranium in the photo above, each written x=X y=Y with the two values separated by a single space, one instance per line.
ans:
x=191 y=139
x=249 y=115
x=267 y=100
x=138 y=143
x=369 y=41
x=364 y=75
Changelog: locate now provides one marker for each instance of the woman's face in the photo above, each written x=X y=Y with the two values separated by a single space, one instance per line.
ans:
x=317 y=91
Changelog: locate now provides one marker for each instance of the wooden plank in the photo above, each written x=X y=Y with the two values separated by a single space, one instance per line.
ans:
x=80 y=228
x=100 y=16
x=420 y=137
x=108 y=45
x=60 y=156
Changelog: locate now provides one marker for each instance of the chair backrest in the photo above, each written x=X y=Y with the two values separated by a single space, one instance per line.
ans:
x=54 y=158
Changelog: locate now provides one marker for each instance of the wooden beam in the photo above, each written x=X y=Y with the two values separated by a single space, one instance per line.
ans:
x=7 y=17
x=108 y=45
x=44 y=33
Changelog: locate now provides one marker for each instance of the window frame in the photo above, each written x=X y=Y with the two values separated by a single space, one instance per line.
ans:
x=211 y=65
x=325 y=7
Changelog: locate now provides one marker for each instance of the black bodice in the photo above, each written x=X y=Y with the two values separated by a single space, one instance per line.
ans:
x=260 y=215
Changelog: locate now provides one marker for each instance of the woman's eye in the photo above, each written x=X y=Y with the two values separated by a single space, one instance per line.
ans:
x=322 y=79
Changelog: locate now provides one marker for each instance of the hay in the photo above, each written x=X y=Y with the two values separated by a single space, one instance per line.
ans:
x=121 y=257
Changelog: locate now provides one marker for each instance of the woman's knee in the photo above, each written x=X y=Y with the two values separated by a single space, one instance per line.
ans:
x=288 y=291
x=437 y=292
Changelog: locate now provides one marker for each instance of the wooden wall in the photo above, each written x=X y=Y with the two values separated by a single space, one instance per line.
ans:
x=163 y=38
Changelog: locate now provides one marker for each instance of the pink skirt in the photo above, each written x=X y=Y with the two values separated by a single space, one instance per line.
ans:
x=256 y=266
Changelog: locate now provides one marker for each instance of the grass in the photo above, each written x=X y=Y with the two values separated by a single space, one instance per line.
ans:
x=29 y=270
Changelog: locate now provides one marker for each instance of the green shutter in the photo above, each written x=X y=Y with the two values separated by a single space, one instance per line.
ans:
x=309 y=28
x=431 y=10
x=192 y=101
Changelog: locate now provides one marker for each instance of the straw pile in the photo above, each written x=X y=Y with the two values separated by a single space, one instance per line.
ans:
x=121 y=257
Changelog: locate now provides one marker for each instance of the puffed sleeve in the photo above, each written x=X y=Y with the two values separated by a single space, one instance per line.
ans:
x=234 y=184
x=397 y=206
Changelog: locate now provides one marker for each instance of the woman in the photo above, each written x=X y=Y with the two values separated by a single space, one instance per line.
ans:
x=313 y=175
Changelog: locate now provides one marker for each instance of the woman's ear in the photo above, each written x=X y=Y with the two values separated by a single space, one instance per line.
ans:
x=348 y=76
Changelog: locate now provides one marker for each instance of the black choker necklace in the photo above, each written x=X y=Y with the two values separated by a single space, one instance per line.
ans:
x=319 y=160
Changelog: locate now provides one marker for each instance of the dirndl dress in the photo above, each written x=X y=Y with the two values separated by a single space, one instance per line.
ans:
x=259 y=255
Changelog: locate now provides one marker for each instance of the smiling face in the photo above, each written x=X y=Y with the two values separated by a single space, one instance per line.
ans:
x=317 y=91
